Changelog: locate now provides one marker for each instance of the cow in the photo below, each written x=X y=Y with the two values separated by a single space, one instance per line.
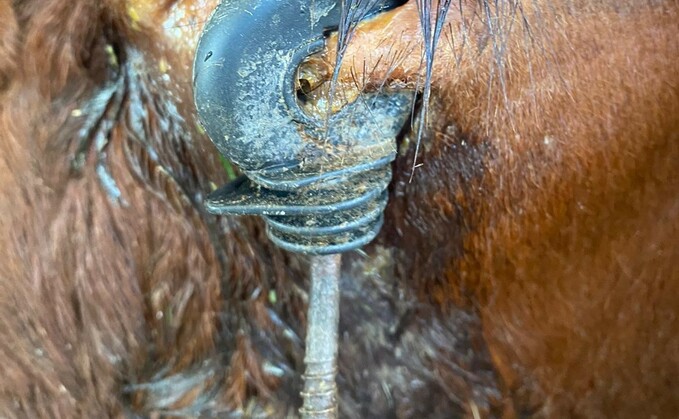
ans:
x=526 y=266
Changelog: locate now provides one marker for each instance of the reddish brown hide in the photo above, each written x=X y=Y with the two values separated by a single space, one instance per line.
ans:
x=527 y=269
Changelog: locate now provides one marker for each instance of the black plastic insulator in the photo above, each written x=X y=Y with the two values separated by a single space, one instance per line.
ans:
x=320 y=184
x=333 y=219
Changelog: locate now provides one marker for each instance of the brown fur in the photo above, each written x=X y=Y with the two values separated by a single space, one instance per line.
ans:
x=528 y=268
x=553 y=193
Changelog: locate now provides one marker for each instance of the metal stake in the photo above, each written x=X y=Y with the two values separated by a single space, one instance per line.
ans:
x=320 y=390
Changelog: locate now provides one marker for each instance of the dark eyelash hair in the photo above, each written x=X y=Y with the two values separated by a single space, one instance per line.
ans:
x=355 y=10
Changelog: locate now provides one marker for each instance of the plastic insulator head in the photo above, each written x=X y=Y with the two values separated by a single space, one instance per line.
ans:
x=333 y=211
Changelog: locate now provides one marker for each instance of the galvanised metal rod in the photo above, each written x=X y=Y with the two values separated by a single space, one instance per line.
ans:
x=320 y=390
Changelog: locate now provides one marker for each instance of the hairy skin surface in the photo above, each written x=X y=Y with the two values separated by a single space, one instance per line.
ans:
x=527 y=270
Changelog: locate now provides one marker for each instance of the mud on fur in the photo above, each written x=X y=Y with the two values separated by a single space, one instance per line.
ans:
x=526 y=269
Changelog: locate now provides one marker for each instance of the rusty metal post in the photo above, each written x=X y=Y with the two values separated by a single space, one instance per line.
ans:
x=320 y=390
